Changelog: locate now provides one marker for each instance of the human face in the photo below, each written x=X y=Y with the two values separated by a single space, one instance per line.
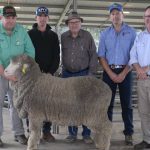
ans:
x=147 y=19
x=42 y=20
x=116 y=17
x=9 y=22
x=74 y=25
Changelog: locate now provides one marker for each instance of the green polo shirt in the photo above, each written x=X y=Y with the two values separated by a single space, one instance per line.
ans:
x=15 y=44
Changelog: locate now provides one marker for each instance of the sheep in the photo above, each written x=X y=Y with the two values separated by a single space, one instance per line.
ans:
x=65 y=101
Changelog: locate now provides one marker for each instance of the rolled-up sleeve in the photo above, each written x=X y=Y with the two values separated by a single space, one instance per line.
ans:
x=133 y=53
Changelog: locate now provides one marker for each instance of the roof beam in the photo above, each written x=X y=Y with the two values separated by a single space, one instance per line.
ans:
x=22 y=4
x=93 y=25
x=105 y=8
x=64 y=12
x=79 y=7
x=85 y=22
x=120 y=1
x=82 y=15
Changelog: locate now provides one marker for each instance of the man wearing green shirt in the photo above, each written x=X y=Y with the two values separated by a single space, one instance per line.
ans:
x=14 y=40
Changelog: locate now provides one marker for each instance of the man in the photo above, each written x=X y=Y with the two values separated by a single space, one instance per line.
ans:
x=79 y=58
x=47 y=52
x=139 y=58
x=14 y=40
x=114 y=50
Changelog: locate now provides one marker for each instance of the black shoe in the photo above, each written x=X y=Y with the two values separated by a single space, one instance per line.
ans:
x=141 y=146
x=1 y=143
x=128 y=140
x=21 y=139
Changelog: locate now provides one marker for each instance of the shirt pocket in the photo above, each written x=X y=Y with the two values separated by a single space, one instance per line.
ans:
x=19 y=44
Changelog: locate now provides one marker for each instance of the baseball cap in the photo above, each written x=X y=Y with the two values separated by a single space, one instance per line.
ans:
x=115 y=6
x=9 y=11
x=73 y=15
x=42 y=10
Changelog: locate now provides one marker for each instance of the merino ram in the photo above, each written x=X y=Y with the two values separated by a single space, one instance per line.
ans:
x=70 y=101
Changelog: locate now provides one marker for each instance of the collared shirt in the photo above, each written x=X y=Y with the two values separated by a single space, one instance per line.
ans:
x=78 y=53
x=116 y=46
x=17 y=43
x=140 y=52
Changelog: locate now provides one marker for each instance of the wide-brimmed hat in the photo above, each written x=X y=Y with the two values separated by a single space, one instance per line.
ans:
x=115 y=6
x=73 y=15
x=9 y=11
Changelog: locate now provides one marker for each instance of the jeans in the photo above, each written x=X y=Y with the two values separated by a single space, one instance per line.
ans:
x=73 y=130
x=125 y=99
x=46 y=127
x=17 y=124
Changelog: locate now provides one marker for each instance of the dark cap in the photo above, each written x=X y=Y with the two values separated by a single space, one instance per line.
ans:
x=9 y=11
x=115 y=6
x=73 y=15
x=42 y=10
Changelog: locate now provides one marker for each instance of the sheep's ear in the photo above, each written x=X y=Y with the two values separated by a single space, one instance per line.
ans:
x=24 y=68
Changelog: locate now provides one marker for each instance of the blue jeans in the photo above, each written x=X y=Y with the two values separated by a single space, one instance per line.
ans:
x=46 y=127
x=125 y=99
x=73 y=130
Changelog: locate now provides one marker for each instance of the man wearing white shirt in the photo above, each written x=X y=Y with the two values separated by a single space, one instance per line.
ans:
x=140 y=59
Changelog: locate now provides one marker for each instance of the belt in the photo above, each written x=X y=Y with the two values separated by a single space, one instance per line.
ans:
x=117 y=66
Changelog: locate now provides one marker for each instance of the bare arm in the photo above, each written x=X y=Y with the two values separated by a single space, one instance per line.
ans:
x=106 y=67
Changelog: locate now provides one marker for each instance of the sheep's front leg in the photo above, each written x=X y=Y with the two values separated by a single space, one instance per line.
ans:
x=33 y=140
x=35 y=132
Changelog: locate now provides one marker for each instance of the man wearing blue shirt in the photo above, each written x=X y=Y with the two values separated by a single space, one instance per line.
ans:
x=139 y=58
x=114 y=51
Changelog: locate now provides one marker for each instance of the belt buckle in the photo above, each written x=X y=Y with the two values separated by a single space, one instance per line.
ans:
x=118 y=66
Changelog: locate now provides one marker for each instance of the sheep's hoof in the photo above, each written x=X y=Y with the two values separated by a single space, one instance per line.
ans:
x=32 y=148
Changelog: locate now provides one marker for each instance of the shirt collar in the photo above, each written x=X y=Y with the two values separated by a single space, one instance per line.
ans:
x=122 y=26
x=146 y=31
x=79 y=34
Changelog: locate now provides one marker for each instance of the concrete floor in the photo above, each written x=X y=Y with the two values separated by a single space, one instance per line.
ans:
x=117 y=141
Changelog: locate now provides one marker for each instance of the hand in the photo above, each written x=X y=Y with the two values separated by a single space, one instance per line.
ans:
x=11 y=78
x=117 y=78
x=121 y=77
x=141 y=73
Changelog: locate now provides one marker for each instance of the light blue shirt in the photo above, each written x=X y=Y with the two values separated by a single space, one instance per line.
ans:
x=115 y=46
x=140 y=52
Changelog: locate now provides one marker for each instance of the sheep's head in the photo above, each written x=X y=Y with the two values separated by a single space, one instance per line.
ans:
x=19 y=66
